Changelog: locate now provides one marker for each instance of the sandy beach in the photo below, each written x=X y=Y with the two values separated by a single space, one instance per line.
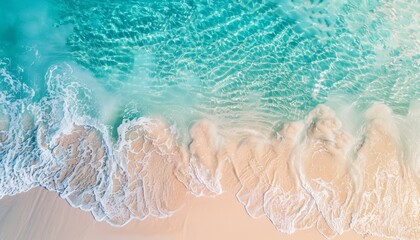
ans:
x=39 y=214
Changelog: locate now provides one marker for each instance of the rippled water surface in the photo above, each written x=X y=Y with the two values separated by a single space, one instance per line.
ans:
x=313 y=104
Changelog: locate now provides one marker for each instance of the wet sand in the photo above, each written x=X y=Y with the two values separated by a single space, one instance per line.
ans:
x=39 y=214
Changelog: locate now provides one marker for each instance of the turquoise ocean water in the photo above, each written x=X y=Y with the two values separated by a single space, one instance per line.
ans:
x=240 y=64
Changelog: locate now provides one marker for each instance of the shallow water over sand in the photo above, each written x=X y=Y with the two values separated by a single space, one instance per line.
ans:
x=124 y=110
x=311 y=173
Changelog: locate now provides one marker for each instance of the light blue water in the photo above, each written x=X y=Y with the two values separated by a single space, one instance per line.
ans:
x=238 y=63
x=220 y=58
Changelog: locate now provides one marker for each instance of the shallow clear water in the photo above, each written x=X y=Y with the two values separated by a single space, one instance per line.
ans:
x=249 y=67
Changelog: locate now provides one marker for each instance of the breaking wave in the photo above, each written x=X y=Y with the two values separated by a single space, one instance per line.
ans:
x=325 y=170
x=309 y=111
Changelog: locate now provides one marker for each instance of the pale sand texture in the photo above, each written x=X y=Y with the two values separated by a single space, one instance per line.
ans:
x=310 y=174
x=39 y=214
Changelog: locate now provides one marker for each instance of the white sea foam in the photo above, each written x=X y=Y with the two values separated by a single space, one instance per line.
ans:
x=314 y=172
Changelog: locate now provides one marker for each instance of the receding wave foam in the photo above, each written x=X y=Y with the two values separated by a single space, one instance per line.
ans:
x=312 y=173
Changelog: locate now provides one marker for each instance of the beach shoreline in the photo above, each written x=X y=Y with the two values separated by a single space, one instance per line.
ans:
x=40 y=214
